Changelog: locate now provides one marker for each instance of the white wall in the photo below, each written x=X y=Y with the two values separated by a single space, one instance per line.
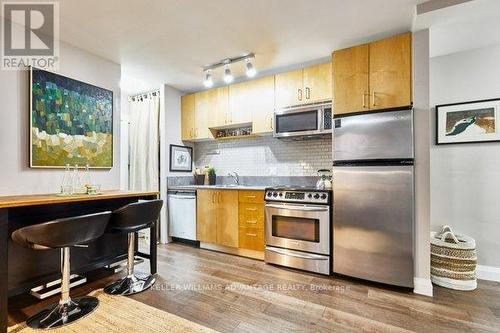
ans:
x=422 y=156
x=15 y=175
x=170 y=133
x=465 y=178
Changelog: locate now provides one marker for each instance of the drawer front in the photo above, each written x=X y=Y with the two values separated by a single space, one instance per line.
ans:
x=251 y=196
x=251 y=215
x=251 y=238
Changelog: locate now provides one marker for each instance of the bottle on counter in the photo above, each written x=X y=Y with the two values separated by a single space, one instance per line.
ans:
x=67 y=182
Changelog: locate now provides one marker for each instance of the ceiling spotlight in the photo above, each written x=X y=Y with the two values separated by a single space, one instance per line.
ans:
x=228 y=76
x=208 y=82
x=250 y=69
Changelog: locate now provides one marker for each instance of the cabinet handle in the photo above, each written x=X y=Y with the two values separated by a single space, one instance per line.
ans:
x=196 y=133
x=250 y=196
x=251 y=235
x=252 y=209
x=252 y=221
x=190 y=133
x=364 y=100
x=373 y=97
x=213 y=198
x=308 y=93
x=299 y=94
x=271 y=121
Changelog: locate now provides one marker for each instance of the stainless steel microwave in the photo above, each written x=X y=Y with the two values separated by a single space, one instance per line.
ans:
x=307 y=121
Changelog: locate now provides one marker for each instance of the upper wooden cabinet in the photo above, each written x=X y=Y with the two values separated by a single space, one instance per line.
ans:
x=390 y=72
x=253 y=101
x=373 y=76
x=351 y=75
x=187 y=117
x=218 y=111
x=303 y=86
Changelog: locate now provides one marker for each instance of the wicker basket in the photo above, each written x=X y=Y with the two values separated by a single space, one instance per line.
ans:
x=453 y=260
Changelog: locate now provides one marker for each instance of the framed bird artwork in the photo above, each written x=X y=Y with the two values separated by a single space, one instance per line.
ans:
x=468 y=122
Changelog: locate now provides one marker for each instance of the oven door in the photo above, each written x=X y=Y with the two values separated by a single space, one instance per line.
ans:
x=298 y=227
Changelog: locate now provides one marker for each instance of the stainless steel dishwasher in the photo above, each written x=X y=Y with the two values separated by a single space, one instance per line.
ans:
x=182 y=214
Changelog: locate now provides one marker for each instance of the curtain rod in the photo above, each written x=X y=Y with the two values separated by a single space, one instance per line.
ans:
x=143 y=95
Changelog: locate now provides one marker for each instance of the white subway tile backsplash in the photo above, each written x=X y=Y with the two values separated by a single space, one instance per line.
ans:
x=265 y=156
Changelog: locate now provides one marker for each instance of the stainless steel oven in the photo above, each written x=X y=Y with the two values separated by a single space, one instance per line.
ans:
x=298 y=226
x=312 y=120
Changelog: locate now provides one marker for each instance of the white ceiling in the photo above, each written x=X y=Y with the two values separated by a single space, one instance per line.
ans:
x=169 y=41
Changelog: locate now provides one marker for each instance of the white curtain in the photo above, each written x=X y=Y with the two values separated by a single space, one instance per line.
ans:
x=144 y=143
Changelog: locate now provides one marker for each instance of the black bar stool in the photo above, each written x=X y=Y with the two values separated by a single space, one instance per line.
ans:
x=63 y=234
x=130 y=219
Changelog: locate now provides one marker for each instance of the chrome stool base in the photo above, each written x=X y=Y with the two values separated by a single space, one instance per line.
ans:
x=131 y=285
x=62 y=314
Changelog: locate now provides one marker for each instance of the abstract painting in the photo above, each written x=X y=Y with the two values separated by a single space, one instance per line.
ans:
x=71 y=122
x=181 y=158
x=468 y=122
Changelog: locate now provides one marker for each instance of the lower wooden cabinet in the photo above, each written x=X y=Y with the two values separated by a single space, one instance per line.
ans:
x=231 y=218
x=217 y=217
x=251 y=220
x=251 y=238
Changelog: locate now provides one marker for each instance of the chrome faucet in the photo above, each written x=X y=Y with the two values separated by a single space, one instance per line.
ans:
x=235 y=177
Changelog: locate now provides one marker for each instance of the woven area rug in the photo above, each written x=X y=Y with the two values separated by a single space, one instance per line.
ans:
x=123 y=314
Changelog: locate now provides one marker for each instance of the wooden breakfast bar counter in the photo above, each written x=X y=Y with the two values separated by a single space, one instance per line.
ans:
x=22 y=269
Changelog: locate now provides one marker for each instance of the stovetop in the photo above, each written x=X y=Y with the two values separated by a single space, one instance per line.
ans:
x=298 y=194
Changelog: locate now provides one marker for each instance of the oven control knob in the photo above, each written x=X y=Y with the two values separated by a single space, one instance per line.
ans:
x=281 y=194
x=269 y=194
x=316 y=196
x=323 y=196
x=275 y=194
x=309 y=195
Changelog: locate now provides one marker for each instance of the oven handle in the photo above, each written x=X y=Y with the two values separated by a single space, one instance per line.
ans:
x=294 y=254
x=303 y=208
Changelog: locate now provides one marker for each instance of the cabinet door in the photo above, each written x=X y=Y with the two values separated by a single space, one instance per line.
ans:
x=350 y=79
x=261 y=102
x=187 y=117
x=288 y=89
x=206 y=216
x=218 y=106
x=227 y=217
x=390 y=72
x=240 y=100
x=201 y=109
x=318 y=83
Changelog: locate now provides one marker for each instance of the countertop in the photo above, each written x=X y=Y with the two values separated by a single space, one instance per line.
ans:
x=218 y=187
x=47 y=199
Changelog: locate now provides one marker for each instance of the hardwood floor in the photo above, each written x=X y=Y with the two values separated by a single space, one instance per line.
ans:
x=233 y=294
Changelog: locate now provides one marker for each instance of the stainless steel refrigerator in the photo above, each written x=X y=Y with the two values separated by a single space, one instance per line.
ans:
x=373 y=188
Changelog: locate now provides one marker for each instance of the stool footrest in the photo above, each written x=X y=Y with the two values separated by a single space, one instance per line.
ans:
x=122 y=264
x=54 y=287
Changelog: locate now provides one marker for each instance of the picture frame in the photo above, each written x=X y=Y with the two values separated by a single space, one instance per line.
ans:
x=92 y=134
x=468 y=122
x=181 y=158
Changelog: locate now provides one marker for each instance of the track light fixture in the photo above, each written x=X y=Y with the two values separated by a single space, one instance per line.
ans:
x=226 y=63
x=208 y=82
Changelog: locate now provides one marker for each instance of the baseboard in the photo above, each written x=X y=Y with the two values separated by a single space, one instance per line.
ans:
x=422 y=286
x=489 y=273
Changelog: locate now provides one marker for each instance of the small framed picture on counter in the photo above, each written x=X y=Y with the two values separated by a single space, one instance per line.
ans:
x=181 y=158
x=468 y=122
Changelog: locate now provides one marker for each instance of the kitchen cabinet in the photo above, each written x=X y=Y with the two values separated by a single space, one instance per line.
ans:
x=318 y=83
x=253 y=101
x=373 y=76
x=202 y=110
x=390 y=72
x=251 y=220
x=303 y=86
x=227 y=218
x=218 y=108
x=206 y=216
x=217 y=217
x=351 y=75
x=187 y=117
